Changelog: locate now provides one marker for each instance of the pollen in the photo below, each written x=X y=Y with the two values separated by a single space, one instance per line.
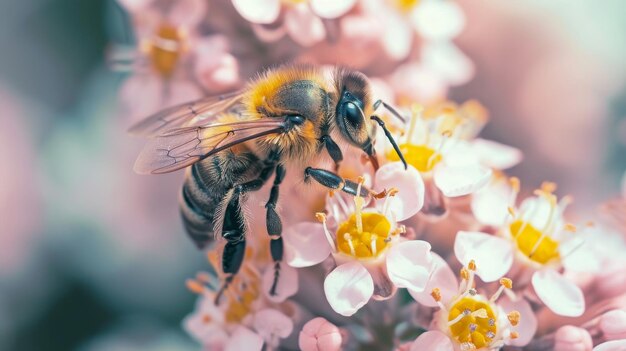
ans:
x=240 y=303
x=422 y=157
x=165 y=49
x=363 y=235
x=533 y=243
x=470 y=321
x=406 y=6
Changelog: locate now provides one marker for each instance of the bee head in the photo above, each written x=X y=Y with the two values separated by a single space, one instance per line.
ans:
x=353 y=105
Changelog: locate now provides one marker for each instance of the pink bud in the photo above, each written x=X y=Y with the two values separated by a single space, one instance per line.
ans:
x=613 y=325
x=318 y=334
x=570 y=338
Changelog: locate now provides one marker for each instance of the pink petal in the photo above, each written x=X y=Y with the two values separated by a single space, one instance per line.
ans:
x=438 y=20
x=443 y=278
x=558 y=294
x=495 y=155
x=303 y=26
x=187 y=13
x=527 y=326
x=244 y=339
x=215 y=68
x=318 y=334
x=348 y=288
x=613 y=325
x=135 y=6
x=493 y=255
x=432 y=341
x=397 y=38
x=490 y=204
x=461 y=180
x=409 y=264
x=418 y=83
x=331 y=8
x=448 y=61
x=270 y=323
x=410 y=198
x=287 y=285
x=305 y=244
x=615 y=345
x=268 y=34
x=258 y=11
x=571 y=338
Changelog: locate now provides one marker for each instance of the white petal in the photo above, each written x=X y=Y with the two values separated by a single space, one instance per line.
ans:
x=527 y=326
x=287 y=285
x=348 y=288
x=305 y=244
x=432 y=341
x=303 y=26
x=409 y=264
x=410 y=198
x=331 y=8
x=443 y=278
x=438 y=20
x=493 y=255
x=258 y=11
x=270 y=322
x=580 y=255
x=558 y=294
x=461 y=180
x=448 y=61
x=537 y=210
x=244 y=339
x=397 y=38
x=496 y=155
x=490 y=204
x=615 y=345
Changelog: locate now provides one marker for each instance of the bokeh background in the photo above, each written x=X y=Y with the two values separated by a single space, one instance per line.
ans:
x=93 y=257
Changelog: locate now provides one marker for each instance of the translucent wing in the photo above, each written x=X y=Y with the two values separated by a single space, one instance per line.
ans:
x=189 y=114
x=182 y=147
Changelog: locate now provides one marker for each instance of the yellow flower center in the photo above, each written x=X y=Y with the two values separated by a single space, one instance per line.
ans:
x=473 y=322
x=533 y=243
x=240 y=303
x=405 y=5
x=365 y=242
x=165 y=49
x=422 y=157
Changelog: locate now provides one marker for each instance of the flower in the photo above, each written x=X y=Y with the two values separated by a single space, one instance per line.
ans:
x=303 y=20
x=469 y=320
x=373 y=256
x=537 y=237
x=570 y=338
x=318 y=334
x=243 y=316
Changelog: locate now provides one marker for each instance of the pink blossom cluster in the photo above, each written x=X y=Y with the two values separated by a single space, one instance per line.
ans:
x=457 y=255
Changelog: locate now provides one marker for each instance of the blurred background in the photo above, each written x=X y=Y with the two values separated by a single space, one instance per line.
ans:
x=93 y=256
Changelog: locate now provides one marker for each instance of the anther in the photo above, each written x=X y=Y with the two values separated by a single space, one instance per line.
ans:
x=320 y=216
x=436 y=294
x=570 y=227
x=481 y=313
x=492 y=322
x=548 y=187
x=514 y=317
x=511 y=211
x=514 y=335
x=464 y=273
x=473 y=327
x=490 y=335
x=515 y=184
x=194 y=286
x=471 y=265
x=507 y=283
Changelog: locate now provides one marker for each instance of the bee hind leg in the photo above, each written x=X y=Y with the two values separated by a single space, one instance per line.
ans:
x=275 y=227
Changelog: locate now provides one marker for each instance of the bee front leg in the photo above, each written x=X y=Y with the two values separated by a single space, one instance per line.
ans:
x=334 y=181
x=275 y=227
x=333 y=150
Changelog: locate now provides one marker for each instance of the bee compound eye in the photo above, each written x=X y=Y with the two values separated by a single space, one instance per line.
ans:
x=295 y=120
x=353 y=115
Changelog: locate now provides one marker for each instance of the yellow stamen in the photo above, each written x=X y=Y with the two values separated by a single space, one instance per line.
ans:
x=436 y=294
x=514 y=317
x=533 y=243
x=472 y=265
x=370 y=241
x=194 y=286
x=472 y=321
x=514 y=335
x=507 y=283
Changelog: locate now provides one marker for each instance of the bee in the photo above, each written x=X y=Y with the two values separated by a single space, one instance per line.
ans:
x=233 y=144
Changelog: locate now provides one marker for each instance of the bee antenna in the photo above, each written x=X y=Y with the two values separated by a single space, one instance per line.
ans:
x=390 y=138
x=390 y=109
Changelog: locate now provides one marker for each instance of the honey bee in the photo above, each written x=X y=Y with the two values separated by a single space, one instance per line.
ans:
x=233 y=144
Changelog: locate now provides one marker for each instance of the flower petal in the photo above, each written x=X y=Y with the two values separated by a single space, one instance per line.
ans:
x=409 y=264
x=559 y=294
x=305 y=244
x=318 y=334
x=441 y=277
x=615 y=345
x=348 y=288
x=571 y=338
x=244 y=339
x=432 y=341
x=496 y=155
x=448 y=61
x=613 y=324
x=410 y=197
x=438 y=20
x=258 y=11
x=493 y=255
x=490 y=204
x=287 y=284
x=527 y=326
x=461 y=180
x=270 y=323
x=397 y=38
x=331 y=8
x=303 y=26
x=187 y=13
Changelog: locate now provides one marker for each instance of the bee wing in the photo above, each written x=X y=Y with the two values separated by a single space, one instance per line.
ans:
x=182 y=147
x=189 y=114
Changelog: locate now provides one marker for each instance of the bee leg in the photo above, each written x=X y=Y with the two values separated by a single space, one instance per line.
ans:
x=336 y=182
x=274 y=226
x=333 y=150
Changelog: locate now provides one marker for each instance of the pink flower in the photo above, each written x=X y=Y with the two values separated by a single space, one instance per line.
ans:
x=372 y=255
x=570 y=338
x=303 y=21
x=613 y=325
x=318 y=334
x=469 y=320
